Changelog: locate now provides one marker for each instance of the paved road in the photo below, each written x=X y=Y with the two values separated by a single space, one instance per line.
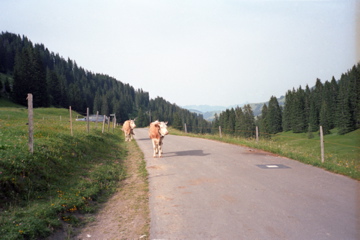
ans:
x=203 y=189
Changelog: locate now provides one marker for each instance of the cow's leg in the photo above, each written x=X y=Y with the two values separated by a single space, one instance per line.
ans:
x=160 y=145
x=154 y=147
x=160 y=150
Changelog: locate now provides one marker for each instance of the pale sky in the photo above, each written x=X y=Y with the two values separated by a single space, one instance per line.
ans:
x=195 y=52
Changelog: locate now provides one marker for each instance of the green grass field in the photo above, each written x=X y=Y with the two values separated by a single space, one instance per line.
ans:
x=342 y=152
x=64 y=177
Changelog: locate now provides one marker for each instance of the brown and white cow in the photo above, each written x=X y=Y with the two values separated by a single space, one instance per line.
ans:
x=128 y=128
x=157 y=132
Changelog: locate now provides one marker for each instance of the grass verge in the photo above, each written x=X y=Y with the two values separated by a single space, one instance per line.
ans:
x=66 y=175
x=126 y=214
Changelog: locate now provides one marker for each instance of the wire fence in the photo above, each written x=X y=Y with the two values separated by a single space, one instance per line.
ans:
x=221 y=132
x=24 y=124
x=19 y=125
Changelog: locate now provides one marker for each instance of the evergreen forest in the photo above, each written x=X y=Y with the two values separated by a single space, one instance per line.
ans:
x=56 y=82
x=333 y=104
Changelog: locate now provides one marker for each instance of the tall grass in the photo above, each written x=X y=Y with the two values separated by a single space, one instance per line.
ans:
x=66 y=175
x=342 y=152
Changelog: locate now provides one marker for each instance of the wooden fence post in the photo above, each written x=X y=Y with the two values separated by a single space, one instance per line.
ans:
x=257 y=134
x=114 y=120
x=103 y=126
x=97 y=115
x=31 y=122
x=185 y=128
x=71 y=128
x=114 y=123
x=87 y=120
x=322 y=145
x=109 y=125
x=220 y=131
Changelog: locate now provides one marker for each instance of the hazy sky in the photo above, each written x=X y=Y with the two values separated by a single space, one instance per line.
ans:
x=221 y=52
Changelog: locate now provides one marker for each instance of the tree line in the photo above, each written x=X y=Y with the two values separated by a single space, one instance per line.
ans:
x=334 y=104
x=57 y=82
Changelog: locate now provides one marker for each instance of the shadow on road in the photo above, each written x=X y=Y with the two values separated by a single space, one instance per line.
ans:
x=199 y=153
x=143 y=139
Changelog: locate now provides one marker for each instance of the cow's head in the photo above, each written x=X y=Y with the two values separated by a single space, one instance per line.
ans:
x=163 y=128
x=132 y=123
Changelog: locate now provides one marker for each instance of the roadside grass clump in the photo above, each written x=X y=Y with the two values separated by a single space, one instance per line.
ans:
x=65 y=176
x=341 y=151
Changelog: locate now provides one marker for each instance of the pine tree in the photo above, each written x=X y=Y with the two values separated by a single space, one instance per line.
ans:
x=353 y=93
x=343 y=113
x=299 y=124
x=30 y=77
x=177 y=124
x=263 y=122
x=356 y=73
x=313 y=117
x=105 y=106
x=141 y=120
x=115 y=107
x=39 y=84
x=315 y=105
x=215 y=124
x=22 y=76
x=249 y=122
x=287 y=113
x=330 y=92
x=239 y=122
x=274 y=118
x=324 y=118
x=307 y=105
x=231 y=121
x=76 y=100
x=54 y=88
x=8 y=91
x=1 y=86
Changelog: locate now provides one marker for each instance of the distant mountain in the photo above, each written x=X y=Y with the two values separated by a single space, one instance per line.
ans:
x=204 y=108
x=257 y=107
x=195 y=111
x=209 y=112
x=209 y=116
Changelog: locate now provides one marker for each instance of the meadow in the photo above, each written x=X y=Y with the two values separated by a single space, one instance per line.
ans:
x=65 y=177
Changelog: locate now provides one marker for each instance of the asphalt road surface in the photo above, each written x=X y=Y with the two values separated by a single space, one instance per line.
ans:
x=203 y=189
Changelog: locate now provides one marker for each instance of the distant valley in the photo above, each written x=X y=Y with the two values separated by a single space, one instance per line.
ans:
x=209 y=111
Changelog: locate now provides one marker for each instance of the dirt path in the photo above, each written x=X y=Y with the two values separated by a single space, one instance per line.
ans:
x=126 y=214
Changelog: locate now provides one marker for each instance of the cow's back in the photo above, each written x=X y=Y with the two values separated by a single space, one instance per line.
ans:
x=154 y=131
x=126 y=127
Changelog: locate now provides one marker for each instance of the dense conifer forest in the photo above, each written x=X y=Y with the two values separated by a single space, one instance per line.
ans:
x=334 y=104
x=54 y=81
